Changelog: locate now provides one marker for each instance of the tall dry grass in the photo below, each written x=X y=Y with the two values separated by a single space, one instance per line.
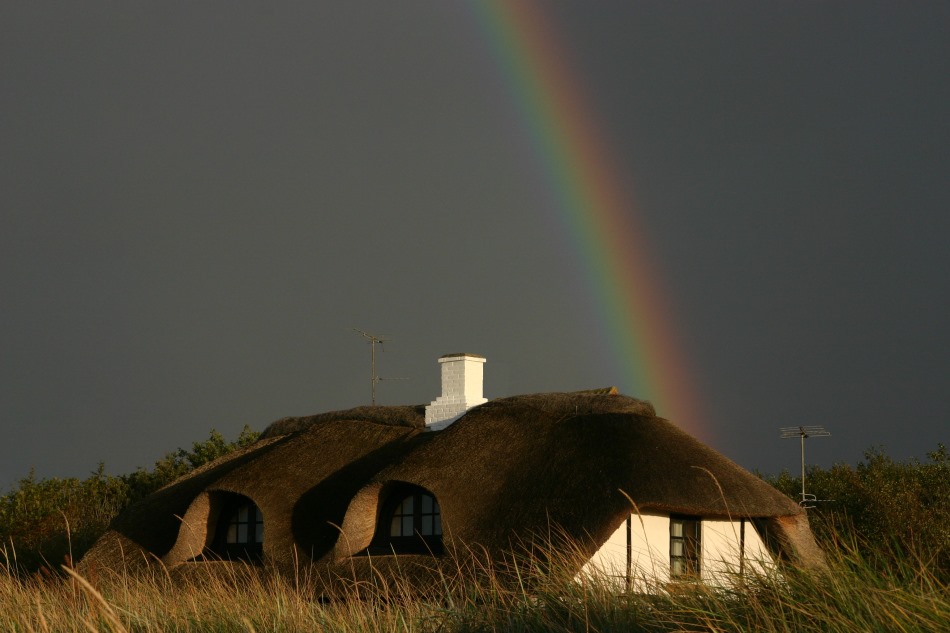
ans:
x=530 y=595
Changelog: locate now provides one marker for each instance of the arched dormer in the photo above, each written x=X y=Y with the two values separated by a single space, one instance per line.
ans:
x=239 y=529
x=410 y=522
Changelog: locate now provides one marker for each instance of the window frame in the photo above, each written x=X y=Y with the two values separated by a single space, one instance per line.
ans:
x=420 y=540
x=686 y=548
x=251 y=548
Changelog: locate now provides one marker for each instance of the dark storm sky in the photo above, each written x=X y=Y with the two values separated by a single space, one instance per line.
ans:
x=199 y=200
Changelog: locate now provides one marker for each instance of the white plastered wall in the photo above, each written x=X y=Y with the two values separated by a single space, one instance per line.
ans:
x=650 y=552
x=722 y=542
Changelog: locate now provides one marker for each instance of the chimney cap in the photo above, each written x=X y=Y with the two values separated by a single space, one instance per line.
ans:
x=461 y=355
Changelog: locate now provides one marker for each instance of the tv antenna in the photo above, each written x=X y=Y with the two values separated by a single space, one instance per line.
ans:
x=804 y=432
x=374 y=341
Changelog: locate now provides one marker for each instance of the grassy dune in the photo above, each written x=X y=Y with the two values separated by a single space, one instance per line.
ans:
x=854 y=595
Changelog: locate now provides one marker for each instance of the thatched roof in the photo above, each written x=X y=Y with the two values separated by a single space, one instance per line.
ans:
x=408 y=416
x=508 y=470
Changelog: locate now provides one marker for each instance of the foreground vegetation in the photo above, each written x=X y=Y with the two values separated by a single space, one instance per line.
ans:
x=852 y=596
x=884 y=525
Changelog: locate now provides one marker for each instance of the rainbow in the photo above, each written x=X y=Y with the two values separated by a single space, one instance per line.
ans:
x=597 y=211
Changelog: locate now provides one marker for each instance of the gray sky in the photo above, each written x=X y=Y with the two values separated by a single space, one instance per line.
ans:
x=199 y=200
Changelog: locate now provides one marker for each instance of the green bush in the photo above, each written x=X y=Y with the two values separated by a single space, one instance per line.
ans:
x=884 y=506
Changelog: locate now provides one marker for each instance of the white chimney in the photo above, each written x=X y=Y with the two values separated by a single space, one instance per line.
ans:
x=461 y=390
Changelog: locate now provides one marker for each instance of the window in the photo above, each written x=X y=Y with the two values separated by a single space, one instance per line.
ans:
x=240 y=531
x=685 y=550
x=411 y=522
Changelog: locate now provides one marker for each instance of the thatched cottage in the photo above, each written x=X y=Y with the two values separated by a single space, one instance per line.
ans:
x=349 y=492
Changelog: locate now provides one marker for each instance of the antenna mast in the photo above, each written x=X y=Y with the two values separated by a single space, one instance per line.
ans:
x=373 y=341
x=804 y=432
